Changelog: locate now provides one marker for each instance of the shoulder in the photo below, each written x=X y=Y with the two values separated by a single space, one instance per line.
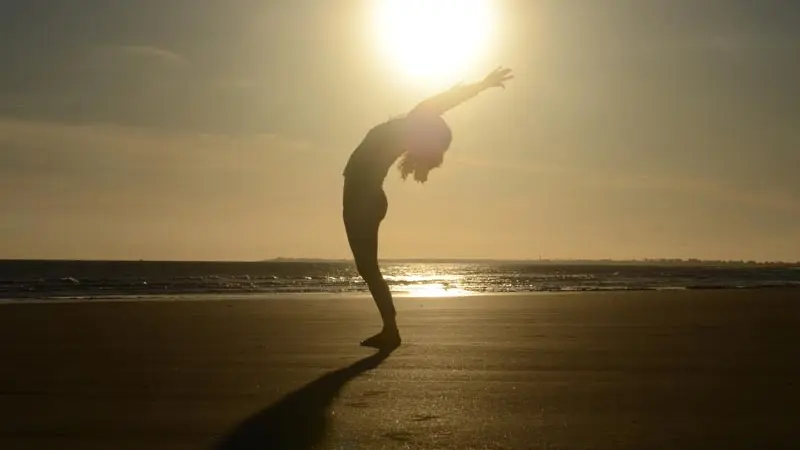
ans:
x=385 y=130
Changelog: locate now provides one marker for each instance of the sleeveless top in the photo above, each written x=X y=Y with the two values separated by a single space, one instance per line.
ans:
x=371 y=160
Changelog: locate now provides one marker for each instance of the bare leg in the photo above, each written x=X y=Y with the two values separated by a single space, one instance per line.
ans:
x=365 y=252
x=364 y=244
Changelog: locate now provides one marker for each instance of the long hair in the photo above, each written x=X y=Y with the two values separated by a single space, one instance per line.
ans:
x=428 y=138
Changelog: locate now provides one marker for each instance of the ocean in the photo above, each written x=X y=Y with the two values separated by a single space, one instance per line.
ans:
x=87 y=280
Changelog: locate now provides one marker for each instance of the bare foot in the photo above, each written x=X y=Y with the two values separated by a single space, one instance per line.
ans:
x=387 y=339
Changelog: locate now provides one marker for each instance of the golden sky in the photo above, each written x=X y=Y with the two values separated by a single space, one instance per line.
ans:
x=201 y=129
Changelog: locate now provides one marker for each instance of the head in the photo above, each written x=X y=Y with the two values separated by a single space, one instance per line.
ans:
x=425 y=139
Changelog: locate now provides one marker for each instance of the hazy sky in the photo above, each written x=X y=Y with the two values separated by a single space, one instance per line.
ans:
x=208 y=129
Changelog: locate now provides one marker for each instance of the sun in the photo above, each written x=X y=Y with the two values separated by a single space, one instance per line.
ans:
x=433 y=40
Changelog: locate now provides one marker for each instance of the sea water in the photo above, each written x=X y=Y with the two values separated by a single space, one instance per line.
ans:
x=108 y=279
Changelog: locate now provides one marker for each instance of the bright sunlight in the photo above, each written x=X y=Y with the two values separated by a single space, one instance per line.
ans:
x=434 y=40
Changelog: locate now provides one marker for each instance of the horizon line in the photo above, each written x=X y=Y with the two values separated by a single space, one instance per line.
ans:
x=428 y=259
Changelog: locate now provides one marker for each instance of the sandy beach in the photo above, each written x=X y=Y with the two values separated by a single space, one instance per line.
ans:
x=639 y=370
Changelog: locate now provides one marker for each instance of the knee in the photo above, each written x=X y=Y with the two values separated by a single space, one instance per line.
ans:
x=368 y=271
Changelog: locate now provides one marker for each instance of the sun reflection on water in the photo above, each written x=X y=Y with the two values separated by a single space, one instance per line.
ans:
x=424 y=281
x=430 y=290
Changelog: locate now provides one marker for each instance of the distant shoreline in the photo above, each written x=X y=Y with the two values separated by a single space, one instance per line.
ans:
x=544 y=262
x=643 y=262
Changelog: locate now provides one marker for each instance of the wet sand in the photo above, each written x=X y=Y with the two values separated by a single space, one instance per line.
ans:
x=642 y=370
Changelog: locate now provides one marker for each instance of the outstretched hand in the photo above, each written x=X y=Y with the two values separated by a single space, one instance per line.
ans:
x=445 y=101
x=497 y=78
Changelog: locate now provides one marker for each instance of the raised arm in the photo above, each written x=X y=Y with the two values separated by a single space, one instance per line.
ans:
x=441 y=103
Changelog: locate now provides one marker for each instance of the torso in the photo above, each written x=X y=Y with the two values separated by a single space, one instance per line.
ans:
x=371 y=160
x=364 y=201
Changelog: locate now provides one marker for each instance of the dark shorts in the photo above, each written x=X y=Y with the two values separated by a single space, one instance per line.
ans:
x=363 y=207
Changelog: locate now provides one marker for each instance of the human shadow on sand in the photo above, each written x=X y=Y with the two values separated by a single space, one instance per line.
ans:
x=299 y=420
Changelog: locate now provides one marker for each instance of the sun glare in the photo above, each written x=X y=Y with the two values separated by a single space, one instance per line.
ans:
x=434 y=40
x=433 y=290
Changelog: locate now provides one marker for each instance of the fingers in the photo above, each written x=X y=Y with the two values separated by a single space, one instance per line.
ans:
x=496 y=72
x=498 y=77
x=501 y=74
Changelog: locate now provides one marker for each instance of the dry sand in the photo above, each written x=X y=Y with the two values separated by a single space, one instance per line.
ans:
x=649 y=370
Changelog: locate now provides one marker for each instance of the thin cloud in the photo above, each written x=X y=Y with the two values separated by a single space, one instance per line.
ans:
x=48 y=147
x=721 y=190
x=105 y=55
x=147 y=51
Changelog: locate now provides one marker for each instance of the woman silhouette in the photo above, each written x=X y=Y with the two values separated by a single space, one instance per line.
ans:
x=421 y=137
